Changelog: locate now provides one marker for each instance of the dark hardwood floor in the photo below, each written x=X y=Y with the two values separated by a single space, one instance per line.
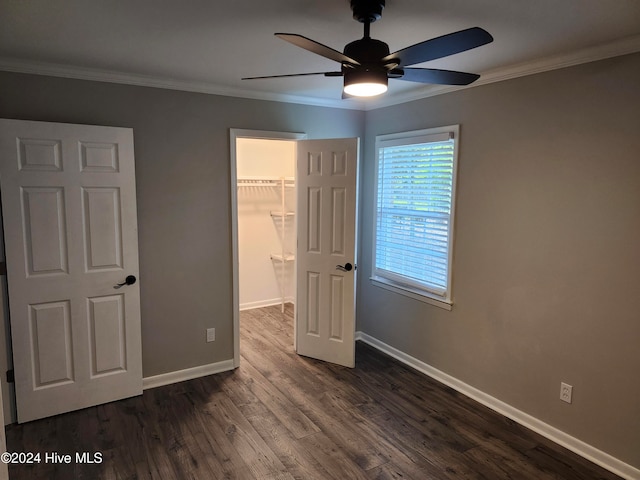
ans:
x=281 y=416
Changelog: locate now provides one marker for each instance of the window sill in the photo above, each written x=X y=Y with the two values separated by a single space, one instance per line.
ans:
x=411 y=293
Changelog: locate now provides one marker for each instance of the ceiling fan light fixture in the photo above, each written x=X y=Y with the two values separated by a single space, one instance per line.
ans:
x=366 y=83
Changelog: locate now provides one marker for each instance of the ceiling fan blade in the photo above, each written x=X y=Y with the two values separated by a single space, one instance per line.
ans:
x=317 y=48
x=441 y=46
x=438 y=77
x=326 y=74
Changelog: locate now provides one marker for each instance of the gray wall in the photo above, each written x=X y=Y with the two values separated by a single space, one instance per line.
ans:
x=547 y=250
x=183 y=180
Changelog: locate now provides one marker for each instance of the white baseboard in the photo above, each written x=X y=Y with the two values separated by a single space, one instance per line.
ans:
x=577 y=446
x=187 y=374
x=264 y=303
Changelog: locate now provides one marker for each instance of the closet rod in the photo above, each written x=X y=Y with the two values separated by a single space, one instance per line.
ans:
x=265 y=181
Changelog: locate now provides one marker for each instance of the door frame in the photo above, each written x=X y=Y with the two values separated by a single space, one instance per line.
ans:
x=234 y=134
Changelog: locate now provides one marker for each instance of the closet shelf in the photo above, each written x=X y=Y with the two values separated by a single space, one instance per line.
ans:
x=282 y=214
x=283 y=257
x=266 y=182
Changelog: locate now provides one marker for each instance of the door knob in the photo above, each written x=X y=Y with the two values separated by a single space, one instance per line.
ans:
x=347 y=267
x=130 y=280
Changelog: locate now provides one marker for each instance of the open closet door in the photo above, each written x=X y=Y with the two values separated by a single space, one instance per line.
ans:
x=325 y=261
x=71 y=239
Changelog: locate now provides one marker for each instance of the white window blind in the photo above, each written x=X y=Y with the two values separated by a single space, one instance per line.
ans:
x=415 y=193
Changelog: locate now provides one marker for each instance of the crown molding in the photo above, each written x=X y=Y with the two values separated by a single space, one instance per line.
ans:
x=15 y=65
x=620 y=47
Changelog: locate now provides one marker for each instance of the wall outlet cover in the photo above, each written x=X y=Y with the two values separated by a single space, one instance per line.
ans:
x=211 y=334
x=566 y=392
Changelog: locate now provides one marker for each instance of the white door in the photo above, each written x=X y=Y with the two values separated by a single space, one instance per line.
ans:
x=70 y=227
x=325 y=261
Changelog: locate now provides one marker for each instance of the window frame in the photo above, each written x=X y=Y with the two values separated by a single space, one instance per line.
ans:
x=393 y=282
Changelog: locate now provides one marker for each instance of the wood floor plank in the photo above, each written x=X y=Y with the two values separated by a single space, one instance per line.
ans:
x=389 y=471
x=281 y=406
x=410 y=463
x=282 y=416
x=338 y=465
x=260 y=459
x=309 y=376
x=409 y=437
x=115 y=422
x=337 y=424
x=566 y=465
x=215 y=442
x=416 y=420
x=298 y=460
x=188 y=458
x=330 y=409
x=445 y=410
x=153 y=444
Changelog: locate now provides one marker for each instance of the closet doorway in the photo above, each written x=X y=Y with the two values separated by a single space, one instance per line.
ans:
x=263 y=170
x=266 y=221
x=294 y=204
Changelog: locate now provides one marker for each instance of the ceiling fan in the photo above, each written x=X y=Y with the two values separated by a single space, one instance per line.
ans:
x=367 y=64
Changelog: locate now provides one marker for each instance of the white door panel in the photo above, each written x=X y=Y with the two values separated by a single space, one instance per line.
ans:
x=325 y=296
x=69 y=212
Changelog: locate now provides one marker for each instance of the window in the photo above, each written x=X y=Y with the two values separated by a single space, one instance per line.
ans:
x=415 y=193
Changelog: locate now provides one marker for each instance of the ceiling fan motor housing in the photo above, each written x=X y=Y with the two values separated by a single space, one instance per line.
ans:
x=367 y=11
x=367 y=50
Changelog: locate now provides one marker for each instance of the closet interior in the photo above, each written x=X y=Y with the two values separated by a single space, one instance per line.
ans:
x=266 y=222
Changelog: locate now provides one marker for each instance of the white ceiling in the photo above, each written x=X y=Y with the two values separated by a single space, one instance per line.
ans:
x=208 y=45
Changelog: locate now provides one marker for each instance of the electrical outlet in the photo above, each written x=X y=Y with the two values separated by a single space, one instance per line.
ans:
x=211 y=334
x=566 y=391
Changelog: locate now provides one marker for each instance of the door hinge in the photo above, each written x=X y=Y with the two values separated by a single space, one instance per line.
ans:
x=10 y=376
